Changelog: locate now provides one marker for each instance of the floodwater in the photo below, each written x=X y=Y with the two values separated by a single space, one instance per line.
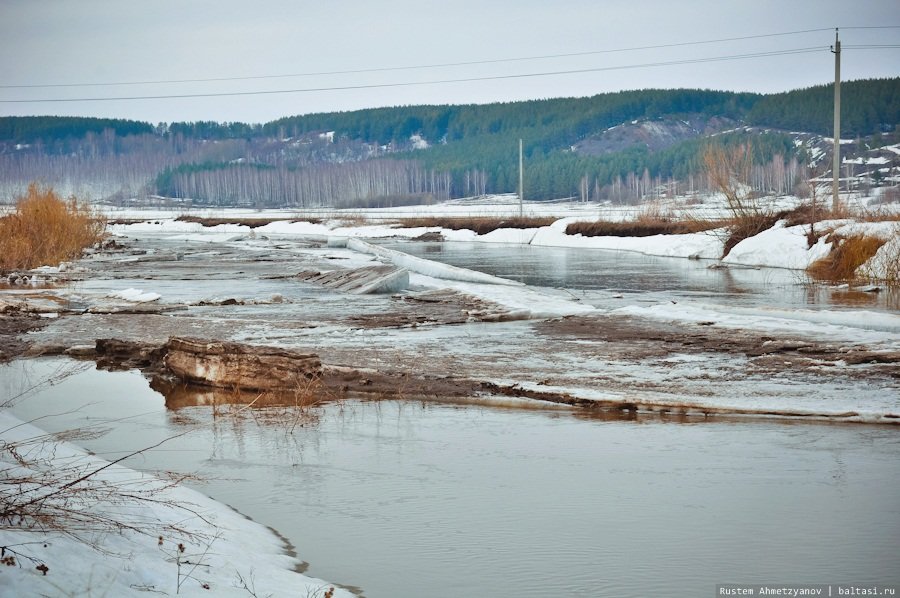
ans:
x=409 y=499
x=592 y=274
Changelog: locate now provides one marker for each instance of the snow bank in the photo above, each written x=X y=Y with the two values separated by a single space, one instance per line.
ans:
x=127 y=563
x=885 y=264
x=786 y=247
x=518 y=236
x=778 y=247
x=177 y=226
x=703 y=245
x=183 y=231
x=881 y=230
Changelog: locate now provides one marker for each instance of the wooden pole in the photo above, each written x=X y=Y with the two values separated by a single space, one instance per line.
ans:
x=836 y=165
x=521 y=179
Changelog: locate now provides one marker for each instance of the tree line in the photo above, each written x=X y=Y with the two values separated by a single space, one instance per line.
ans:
x=472 y=149
x=355 y=184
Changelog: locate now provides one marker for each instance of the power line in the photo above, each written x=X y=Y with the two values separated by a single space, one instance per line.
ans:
x=435 y=82
x=427 y=66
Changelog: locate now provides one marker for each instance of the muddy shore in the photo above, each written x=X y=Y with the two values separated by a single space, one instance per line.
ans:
x=434 y=344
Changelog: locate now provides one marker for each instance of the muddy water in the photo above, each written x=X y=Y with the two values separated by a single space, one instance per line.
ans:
x=647 y=278
x=411 y=499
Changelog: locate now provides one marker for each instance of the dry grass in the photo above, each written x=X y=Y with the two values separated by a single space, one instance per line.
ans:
x=248 y=222
x=806 y=213
x=879 y=216
x=643 y=226
x=479 y=224
x=848 y=254
x=653 y=219
x=126 y=221
x=45 y=229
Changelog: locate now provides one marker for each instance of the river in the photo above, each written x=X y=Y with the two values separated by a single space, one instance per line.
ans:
x=595 y=274
x=406 y=498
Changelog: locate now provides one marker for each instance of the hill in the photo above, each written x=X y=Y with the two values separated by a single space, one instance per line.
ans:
x=619 y=146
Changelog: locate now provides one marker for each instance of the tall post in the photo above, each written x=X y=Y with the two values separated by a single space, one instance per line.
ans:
x=836 y=165
x=521 y=179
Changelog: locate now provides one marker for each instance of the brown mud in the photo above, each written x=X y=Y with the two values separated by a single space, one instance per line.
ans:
x=13 y=328
x=637 y=339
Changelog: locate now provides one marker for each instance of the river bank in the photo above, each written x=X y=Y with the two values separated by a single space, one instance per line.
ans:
x=689 y=355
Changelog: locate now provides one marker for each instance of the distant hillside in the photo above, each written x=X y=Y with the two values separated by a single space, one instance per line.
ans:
x=867 y=107
x=50 y=130
x=619 y=146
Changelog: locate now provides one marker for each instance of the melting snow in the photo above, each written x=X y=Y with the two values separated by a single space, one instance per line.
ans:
x=135 y=296
x=133 y=564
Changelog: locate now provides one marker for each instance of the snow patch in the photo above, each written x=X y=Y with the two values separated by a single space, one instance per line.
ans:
x=778 y=247
x=135 y=296
x=132 y=564
x=703 y=245
x=885 y=264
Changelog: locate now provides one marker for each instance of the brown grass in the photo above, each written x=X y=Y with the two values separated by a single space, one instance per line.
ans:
x=849 y=254
x=481 y=225
x=642 y=227
x=248 y=222
x=126 y=221
x=879 y=217
x=45 y=229
x=804 y=214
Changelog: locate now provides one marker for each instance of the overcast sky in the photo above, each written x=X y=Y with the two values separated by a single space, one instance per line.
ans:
x=63 y=42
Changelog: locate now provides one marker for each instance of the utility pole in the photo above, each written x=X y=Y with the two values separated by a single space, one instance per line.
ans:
x=521 y=179
x=836 y=165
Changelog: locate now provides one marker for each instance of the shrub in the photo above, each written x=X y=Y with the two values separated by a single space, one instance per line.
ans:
x=729 y=170
x=248 y=222
x=643 y=226
x=480 y=224
x=45 y=229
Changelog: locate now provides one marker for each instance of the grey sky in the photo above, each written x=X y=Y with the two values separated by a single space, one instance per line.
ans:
x=64 y=41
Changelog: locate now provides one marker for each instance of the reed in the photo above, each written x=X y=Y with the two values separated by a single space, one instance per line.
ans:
x=848 y=254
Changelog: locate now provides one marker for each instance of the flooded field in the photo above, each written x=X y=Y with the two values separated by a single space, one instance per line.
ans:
x=673 y=342
x=410 y=498
x=617 y=425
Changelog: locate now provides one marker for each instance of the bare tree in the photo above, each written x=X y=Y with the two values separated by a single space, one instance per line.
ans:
x=729 y=171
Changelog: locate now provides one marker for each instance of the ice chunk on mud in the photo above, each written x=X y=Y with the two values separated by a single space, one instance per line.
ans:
x=135 y=296
x=361 y=281
x=428 y=267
